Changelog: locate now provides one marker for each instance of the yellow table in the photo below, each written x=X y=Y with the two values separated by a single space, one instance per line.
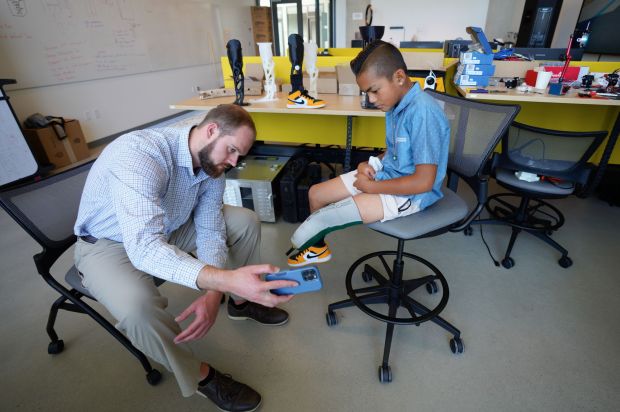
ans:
x=569 y=112
x=307 y=125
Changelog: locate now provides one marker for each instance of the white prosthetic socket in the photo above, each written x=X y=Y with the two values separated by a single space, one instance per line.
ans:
x=332 y=217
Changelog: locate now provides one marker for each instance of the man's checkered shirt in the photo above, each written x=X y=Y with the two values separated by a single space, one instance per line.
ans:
x=141 y=189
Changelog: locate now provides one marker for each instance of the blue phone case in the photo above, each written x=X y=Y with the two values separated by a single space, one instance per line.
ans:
x=308 y=278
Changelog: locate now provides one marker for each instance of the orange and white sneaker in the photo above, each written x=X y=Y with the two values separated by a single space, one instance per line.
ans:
x=314 y=254
x=302 y=100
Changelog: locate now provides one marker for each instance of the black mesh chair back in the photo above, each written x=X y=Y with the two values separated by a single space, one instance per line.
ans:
x=47 y=209
x=551 y=153
x=537 y=164
x=476 y=129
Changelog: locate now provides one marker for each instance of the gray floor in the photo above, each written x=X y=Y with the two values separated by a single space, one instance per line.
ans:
x=537 y=337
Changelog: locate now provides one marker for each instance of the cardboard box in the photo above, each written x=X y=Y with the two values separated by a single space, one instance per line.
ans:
x=262 y=38
x=477 y=69
x=254 y=72
x=347 y=85
x=253 y=79
x=423 y=60
x=512 y=69
x=326 y=83
x=344 y=73
x=252 y=91
x=476 y=58
x=469 y=80
x=48 y=148
x=261 y=25
x=348 y=89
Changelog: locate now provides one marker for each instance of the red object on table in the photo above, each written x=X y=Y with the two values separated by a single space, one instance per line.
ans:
x=530 y=77
x=571 y=73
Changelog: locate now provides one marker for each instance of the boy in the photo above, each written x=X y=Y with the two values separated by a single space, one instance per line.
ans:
x=405 y=179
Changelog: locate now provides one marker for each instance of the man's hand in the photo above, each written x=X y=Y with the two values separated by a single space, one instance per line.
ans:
x=205 y=310
x=246 y=283
x=364 y=183
x=366 y=170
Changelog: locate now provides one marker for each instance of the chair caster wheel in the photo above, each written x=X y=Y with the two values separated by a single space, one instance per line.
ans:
x=456 y=345
x=153 y=377
x=55 y=347
x=431 y=287
x=468 y=231
x=565 y=261
x=508 y=262
x=367 y=277
x=385 y=374
x=331 y=319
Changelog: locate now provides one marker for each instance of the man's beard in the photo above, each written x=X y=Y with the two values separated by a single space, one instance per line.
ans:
x=207 y=164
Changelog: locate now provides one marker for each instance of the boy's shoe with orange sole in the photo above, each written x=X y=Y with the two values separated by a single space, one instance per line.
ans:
x=314 y=254
x=302 y=100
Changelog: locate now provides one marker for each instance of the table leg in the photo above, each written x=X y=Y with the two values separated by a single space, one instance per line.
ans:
x=348 y=146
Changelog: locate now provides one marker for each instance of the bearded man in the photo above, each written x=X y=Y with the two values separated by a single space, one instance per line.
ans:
x=152 y=197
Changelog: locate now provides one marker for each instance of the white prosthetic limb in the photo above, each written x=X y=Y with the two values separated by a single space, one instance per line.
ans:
x=266 y=56
x=332 y=217
x=311 y=68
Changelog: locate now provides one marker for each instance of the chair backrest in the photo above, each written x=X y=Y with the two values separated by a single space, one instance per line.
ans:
x=47 y=208
x=475 y=130
x=549 y=152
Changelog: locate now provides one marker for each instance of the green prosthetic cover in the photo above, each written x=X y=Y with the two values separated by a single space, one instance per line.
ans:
x=332 y=217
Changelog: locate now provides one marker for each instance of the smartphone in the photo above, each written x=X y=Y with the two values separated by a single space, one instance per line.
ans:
x=308 y=278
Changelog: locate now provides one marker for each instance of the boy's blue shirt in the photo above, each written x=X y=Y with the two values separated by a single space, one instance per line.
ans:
x=417 y=132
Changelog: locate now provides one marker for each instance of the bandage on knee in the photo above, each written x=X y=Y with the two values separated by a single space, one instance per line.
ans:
x=332 y=217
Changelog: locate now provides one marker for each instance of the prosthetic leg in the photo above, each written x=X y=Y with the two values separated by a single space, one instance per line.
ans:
x=299 y=97
x=296 y=56
x=332 y=217
x=235 y=58
x=311 y=67
x=266 y=56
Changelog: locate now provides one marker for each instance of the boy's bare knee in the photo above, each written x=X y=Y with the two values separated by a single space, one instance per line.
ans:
x=315 y=198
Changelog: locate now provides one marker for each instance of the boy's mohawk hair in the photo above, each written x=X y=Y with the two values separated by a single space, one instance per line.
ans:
x=358 y=62
x=383 y=57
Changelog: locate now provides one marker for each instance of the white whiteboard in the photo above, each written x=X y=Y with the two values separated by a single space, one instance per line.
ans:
x=16 y=159
x=47 y=42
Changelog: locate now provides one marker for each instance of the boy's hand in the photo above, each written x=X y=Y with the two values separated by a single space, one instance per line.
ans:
x=365 y=169
x=363 y=183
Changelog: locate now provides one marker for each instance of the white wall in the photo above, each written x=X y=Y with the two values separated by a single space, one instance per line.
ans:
x=424 y=21
x=503 y=17
x=108 y=106
x=447 y=19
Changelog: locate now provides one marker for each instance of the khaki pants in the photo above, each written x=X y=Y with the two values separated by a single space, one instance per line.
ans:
x=135 y=302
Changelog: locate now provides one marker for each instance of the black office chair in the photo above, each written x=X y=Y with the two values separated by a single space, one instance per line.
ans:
x=47 y=210
x=557 y=161
x=476 y=129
